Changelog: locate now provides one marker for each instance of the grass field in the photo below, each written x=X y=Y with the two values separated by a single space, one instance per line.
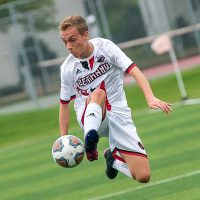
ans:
x=28 y=172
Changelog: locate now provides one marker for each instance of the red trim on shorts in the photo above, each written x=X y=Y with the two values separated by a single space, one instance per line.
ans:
x=108 y=106
x=91 y=61
x=130 y=67
x=66 y=102
x=116 y=156
x=119 y=158
x=126 y=152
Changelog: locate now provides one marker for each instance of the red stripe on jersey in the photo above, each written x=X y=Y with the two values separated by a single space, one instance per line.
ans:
x=73 y=97
x=83 y=116
x=66 y=102
x=102 y=86
x=91 y=61
x=130 y=67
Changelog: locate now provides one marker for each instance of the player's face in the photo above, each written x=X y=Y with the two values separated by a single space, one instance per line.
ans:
x=77 y=44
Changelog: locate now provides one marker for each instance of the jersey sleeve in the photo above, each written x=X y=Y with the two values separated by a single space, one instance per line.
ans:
x=67 y=92
x=119 y=58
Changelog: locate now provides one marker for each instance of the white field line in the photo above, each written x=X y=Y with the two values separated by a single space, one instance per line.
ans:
x=147 y=185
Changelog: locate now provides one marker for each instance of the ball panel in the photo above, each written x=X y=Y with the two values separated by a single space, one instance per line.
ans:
x=79 y=157
x=74 y=141
x=58 y=145
x=62 y=162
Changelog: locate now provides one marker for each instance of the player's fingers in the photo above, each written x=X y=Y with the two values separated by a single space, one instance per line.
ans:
x=165 y=107
x=169 y=104
x=162 y=108
x=154 y=107
x=168 y=107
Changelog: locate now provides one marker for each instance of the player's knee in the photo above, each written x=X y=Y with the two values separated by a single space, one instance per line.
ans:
x=98 y=94
x=143 y=177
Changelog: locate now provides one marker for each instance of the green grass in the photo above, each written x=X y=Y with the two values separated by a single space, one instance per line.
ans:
x=166 y=88
x=28 y=172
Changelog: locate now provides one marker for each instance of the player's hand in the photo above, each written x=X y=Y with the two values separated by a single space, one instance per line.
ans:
x=156 y=103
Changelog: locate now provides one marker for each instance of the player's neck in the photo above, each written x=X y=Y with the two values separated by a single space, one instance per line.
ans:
x=88 y=51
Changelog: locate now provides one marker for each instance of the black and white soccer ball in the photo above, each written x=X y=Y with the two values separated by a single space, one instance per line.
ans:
x=68 y=151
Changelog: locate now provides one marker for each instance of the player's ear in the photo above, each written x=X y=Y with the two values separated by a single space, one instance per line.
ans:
x=86 y=35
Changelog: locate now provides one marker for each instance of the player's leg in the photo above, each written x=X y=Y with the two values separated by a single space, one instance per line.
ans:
x=93 y=115
x=138 y=166
x=94 y=110
x=133 y=166
x=128 y=154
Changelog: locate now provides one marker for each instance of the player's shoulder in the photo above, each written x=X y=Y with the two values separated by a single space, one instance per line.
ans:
x=68 y=64
x=101 y=42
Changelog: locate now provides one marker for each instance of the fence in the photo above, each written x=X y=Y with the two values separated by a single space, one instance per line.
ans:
x=30 y=57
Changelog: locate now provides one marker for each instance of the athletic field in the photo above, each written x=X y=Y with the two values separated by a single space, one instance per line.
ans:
x=28 y=172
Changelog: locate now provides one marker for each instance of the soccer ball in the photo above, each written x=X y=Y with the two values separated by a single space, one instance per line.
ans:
x=68 y=151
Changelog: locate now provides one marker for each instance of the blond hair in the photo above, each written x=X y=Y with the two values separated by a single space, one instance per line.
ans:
x=76 y=21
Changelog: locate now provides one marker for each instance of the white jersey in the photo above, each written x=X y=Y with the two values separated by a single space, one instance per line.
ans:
x=103 y=69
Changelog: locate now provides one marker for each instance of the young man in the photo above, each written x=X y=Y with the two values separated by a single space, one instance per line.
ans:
x=93 y=75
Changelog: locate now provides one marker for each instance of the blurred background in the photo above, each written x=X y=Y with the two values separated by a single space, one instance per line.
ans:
x=31 y=50
x=30 y=57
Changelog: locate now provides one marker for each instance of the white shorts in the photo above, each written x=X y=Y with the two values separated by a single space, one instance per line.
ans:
x=121 y=131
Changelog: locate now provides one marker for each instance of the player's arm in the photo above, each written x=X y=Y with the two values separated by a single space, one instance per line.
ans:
x=67 y=93
x=152 y=101
x=64 y=116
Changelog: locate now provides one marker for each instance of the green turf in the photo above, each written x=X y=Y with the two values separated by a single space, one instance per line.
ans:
x=166 y=88
x=28 y=172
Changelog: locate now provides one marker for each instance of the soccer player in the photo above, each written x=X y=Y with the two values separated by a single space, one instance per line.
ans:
x=93 y=75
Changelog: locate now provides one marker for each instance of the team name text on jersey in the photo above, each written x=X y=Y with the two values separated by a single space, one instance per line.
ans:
x=102 y=69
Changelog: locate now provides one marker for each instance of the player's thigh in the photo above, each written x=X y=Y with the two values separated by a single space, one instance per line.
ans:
x=138 y=165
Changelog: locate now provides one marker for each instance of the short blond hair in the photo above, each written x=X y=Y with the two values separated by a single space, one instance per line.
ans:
x=77 y=21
